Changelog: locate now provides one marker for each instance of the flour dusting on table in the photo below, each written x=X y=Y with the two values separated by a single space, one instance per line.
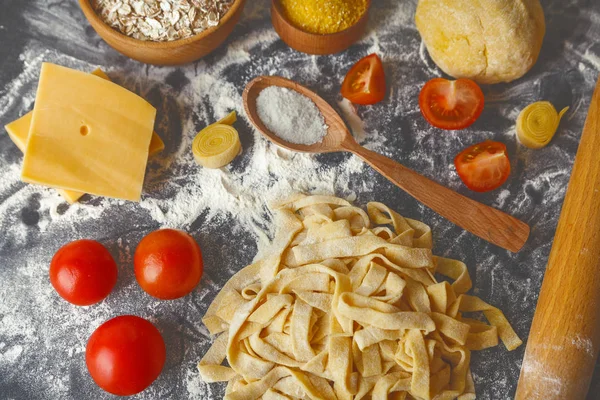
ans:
x=42 y=338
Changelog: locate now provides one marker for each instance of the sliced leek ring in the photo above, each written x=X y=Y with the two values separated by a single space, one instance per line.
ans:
x=230 y=119
x=216 y=145
x=537 y=124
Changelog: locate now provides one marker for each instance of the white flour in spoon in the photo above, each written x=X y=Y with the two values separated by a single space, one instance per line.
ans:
x=290 y=115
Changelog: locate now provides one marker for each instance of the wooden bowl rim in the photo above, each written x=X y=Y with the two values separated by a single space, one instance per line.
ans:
x=277 y=6
x=89 y=12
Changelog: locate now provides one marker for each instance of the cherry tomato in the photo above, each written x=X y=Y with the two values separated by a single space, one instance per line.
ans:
x=365 y=82
x=484 y=166
x=451 y=104
x=168 y=264
x=83 y=272
x=125 y=355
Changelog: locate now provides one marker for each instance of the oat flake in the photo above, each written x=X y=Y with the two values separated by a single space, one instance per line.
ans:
x=161 y=20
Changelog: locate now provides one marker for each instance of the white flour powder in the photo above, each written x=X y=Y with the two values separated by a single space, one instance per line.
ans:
x=176 y=193
x=291 y=115
x=35 y=326
x=271 y=173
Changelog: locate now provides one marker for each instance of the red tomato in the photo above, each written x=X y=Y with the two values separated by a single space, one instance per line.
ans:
x=83 y=272
x=125 y=355
x=365 y=82
x=451 y=104
x=484 y=166
x=168 y=264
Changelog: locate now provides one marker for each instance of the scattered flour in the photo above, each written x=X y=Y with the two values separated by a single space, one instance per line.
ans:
x=545 y=381
x=429 y=64
x=270 y=173
x=502 y=196
x=34 y=328
x=584 y=344
x=196 y=387
x=10 y=355
x=35 y=325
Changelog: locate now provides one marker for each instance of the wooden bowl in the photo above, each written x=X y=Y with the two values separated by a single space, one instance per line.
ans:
x=166 y=53
x=314 y=43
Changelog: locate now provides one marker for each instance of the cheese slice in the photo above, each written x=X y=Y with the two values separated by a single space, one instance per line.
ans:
x=18 y=131
x=156 y=144
x=88 y=135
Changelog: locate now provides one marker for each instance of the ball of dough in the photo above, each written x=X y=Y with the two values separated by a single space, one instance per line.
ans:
x=489 y=41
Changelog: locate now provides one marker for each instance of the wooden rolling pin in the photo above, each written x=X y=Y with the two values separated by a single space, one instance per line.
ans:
x=564 y=339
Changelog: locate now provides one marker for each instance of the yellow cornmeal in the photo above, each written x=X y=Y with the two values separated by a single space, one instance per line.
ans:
x=324 y=16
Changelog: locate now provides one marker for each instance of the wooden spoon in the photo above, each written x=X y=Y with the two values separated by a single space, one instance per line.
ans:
x=488 y=223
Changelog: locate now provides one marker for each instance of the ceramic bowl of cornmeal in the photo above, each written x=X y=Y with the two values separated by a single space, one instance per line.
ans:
x=320 y=26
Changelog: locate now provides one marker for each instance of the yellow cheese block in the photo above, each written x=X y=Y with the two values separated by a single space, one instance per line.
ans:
x=156 y=144
x=18 y=131
x=88 y=134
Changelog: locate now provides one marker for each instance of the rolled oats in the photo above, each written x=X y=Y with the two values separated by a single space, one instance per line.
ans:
x=161 y=20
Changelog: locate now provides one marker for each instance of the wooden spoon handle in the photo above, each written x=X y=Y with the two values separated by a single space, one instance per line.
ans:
x=486 y=222
x=564 y=340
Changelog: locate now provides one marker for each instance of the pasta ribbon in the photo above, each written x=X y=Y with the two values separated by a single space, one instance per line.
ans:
x=537 y=124
x=218 y=144
x=347 y=306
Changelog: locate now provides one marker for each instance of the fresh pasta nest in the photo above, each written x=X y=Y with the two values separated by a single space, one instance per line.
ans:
x=346 y=306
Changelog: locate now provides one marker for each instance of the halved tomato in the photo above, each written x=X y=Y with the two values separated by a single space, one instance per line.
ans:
x=484 y=166
x=365 y=82
x=451 y=104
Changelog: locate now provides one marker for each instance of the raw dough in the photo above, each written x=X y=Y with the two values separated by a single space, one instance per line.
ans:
x=489 y=41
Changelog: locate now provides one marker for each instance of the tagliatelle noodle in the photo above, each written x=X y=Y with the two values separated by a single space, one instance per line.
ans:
x=347 y=306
